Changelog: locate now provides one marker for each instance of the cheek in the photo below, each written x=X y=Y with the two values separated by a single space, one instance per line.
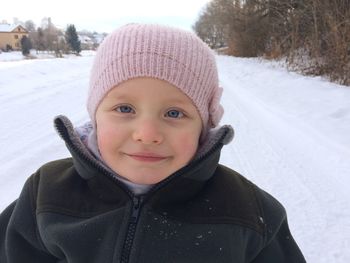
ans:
x=103 y=141
x=102 y=138
x=187 y=145
x=107 y=137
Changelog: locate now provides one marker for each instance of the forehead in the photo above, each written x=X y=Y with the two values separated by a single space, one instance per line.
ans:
x=148 y=88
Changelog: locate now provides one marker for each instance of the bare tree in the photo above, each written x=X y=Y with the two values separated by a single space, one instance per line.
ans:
x=313 y=35
x=29 y=25
x=212 y=27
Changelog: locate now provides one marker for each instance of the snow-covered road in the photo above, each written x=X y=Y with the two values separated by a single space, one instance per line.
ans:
x=292 y=138
x=283 y=145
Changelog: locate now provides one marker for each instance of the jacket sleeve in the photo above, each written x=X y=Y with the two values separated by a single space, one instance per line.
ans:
x=19 y=238
x=279 y=244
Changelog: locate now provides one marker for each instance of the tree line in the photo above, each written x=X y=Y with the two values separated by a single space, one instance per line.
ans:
x=313 y=35
x=51 y=39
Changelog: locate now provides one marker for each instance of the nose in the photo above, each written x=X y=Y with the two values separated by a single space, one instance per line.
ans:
x=148 y=132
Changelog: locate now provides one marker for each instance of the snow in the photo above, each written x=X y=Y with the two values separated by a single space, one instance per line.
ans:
x=291 y=137
x=10 y=56
x=7 y=27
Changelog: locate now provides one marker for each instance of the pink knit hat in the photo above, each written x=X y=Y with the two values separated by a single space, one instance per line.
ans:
x=176 y=56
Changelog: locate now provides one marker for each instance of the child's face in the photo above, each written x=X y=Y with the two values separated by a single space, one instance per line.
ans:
x=147 y=129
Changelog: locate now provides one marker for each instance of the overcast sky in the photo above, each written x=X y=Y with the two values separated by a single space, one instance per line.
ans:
x=104 y=15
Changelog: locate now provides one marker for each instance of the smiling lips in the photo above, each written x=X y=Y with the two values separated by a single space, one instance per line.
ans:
x=147 y=157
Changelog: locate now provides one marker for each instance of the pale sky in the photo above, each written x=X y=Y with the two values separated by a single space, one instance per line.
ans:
x=104 y=15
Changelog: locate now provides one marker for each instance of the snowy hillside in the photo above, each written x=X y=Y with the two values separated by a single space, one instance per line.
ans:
x=292 y=137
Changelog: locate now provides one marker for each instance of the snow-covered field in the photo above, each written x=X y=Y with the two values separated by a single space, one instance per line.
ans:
x=292 y=137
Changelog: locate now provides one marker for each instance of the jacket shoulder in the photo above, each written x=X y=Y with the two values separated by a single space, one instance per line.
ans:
x=57 y=165
x=60 y=188
x=48 y=172
x=247 y=201
x=51 y=175
x=230 y=198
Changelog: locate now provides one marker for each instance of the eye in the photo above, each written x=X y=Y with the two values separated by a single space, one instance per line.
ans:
x=174 y=114
x=124 y=109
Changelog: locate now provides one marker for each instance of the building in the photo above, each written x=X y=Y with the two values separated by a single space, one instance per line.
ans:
x=10 y=36
x=86 y=42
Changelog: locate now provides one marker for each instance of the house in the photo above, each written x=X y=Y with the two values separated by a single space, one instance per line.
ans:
x=10 y=36
x=90 y=41
x=85 y=42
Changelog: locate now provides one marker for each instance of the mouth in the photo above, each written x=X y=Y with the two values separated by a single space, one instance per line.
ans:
x=147 y=157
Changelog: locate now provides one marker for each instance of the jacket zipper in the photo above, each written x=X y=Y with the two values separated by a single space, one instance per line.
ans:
x=137 y=203
x=130 y=234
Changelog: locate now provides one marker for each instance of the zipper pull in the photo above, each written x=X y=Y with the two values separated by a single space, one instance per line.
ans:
x=137 y=200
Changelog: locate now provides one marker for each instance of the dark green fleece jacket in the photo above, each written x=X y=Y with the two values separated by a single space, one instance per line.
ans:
x=74 y=210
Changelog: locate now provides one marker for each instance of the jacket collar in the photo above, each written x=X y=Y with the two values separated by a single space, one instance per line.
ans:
x=199 y=170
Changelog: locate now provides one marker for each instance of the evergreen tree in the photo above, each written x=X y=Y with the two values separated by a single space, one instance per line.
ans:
x=26 y=45
x=72 y=39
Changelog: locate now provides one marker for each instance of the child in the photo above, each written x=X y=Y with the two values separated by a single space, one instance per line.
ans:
x=144 y=183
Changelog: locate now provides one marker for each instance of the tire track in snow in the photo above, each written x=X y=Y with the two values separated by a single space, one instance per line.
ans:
x=275 y=151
